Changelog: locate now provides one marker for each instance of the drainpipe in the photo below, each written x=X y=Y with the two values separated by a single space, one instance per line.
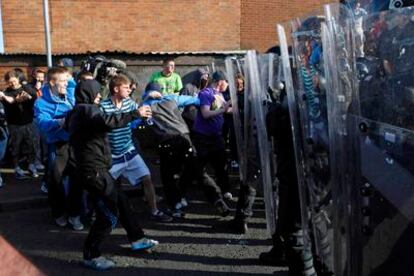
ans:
x=47 y=33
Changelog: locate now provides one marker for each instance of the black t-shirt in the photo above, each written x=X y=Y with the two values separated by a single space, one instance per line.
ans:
x=19 y=113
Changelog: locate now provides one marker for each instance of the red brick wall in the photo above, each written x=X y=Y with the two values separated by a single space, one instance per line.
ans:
x=127 y=25
x=79 y=26
x=259 y=19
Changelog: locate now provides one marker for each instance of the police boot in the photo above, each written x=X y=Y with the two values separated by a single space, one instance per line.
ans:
x=322 y=269
x=277 y=254
x=299 y=255
x=244 y=210
x=238 y=226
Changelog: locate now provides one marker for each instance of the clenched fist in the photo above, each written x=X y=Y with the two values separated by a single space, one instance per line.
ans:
x=145 y=111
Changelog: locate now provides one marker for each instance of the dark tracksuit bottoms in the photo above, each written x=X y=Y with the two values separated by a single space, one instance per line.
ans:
x=21 y=142
x=110 y=204
x=179 y=166
x=211 y=151
x=61 y=163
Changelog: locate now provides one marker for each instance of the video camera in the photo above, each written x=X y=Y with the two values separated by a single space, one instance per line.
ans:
x=102 y=68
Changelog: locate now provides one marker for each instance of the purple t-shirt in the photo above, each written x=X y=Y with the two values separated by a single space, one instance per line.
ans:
x=212 y=125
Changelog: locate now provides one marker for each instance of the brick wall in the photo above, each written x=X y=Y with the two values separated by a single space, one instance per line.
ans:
x=128 y=25
x=79 y=26
x=259 y=19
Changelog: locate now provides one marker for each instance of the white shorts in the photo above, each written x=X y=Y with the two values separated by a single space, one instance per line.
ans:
x=131 y=166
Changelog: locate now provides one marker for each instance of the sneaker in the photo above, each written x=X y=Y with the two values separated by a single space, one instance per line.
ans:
x=76 y=223
x=178 y=206
x=61 y=221
x=184 y=202
x=176 y=213
x=143 y=243
x=33 y=171
x=228 y=196
x=100 y=263
x=160 y=216
x=43 y=188
x=19 y=173
x=40 y=166
x=234 y=164
x=222 y=208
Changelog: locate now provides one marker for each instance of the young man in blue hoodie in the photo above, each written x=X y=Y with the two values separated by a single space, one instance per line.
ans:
x=57 y=100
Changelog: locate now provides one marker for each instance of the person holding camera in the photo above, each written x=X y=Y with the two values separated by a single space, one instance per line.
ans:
x=18 y=101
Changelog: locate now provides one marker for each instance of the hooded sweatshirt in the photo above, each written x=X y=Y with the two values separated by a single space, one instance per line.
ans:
x=49 y=110
x=88 y=126
x=166 y=113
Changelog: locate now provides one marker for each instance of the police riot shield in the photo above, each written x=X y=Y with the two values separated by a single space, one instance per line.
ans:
x=360 y=9
x=251 y=149
x=244 y=121
x=375 y=6
x=379 y=150
x=275 y=78
x=339 y=67
x=312 y=146
x=257 y=70
x=296 y=129
x=235 y=76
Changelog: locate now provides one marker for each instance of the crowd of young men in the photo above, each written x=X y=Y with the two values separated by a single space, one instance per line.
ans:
x=89 y=147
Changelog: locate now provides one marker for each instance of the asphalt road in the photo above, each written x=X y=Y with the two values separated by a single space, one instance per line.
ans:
x=197 y=245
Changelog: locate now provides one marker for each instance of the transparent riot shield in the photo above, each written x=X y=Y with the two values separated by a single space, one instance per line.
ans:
x=339 y=67
x=308 y=98
x=375 y=6
x=234 y=71
x=257 y=70
x=253 y=172
x=296 y=129
x=244 y=122
x=275 y=84
x=378 y=148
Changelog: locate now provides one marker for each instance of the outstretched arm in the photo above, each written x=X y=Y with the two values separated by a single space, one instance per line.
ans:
x=103 y=121
x=184 y=100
